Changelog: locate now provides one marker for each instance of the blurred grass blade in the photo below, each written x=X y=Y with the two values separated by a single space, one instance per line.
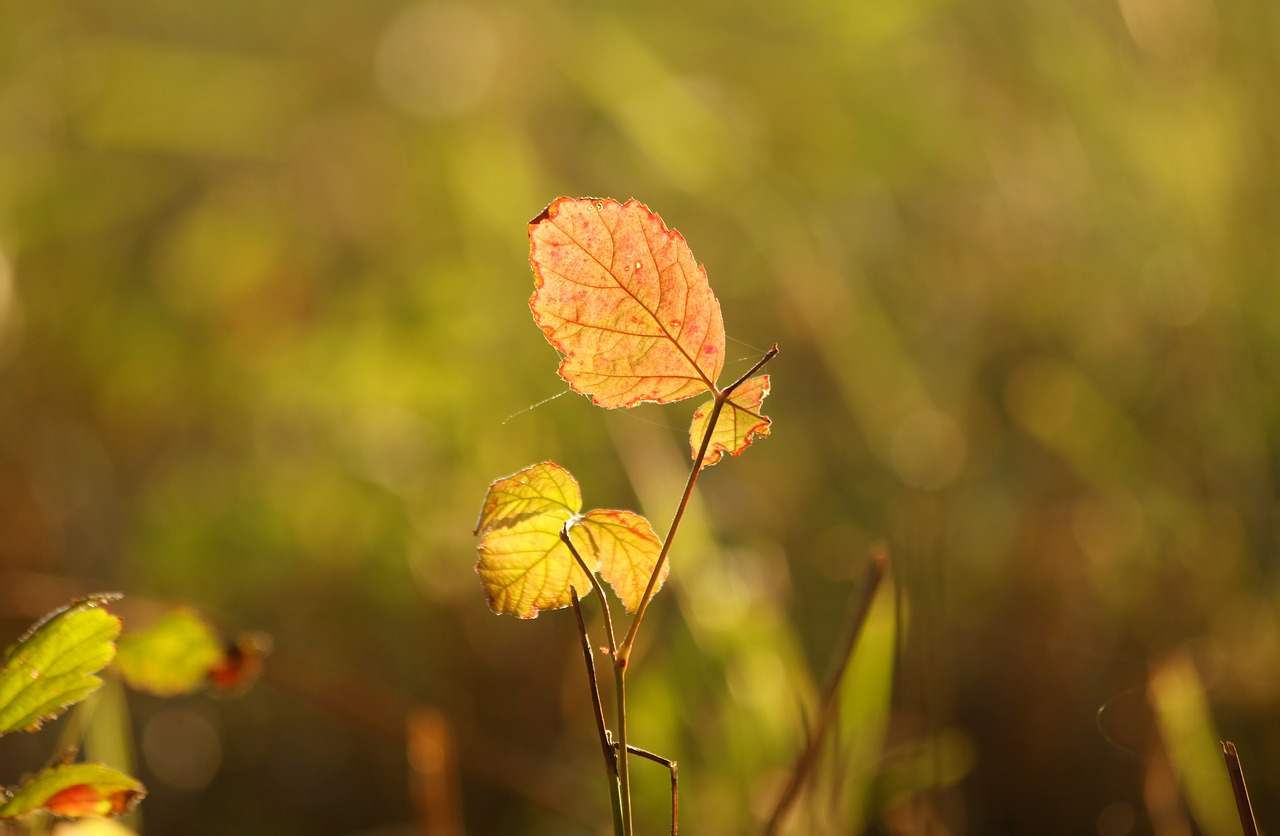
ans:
x=53 y=666
x=865 y=696
x=1182 y=715
x=857 y=663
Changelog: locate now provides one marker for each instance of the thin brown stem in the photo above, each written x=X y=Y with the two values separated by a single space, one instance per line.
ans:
x=1248 y=823
x=675 y=782
x=722 y=397
x=606 y=744
x=623 y=772
x=808 y=756
x=595 y=584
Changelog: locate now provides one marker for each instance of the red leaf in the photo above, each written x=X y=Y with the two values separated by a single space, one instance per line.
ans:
x=621 y=297
x=739 y=422
x=86 y=800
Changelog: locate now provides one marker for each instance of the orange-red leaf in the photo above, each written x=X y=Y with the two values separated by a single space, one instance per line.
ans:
x=621 y=297
x=626 y=548
x=524 y=565
x=74 y=789
x=737 y=425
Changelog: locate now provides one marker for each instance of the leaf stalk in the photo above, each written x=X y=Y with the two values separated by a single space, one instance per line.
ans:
x=721 y=398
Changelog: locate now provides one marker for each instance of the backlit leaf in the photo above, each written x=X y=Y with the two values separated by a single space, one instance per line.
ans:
x=524 y=565
x=73 y=790
x=52 y=667
x=540 y=489
x=737 y=425
x=626 y=548
x=623 y=300
x=173 y=656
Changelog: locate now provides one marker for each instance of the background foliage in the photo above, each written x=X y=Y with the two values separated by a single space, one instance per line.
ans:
x=263 y=272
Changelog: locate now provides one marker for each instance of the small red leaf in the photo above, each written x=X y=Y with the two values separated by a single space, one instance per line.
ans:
x=86 y=800
x=739 y=422
x=622 y=298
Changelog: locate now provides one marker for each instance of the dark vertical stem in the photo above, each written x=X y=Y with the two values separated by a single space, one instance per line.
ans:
x=610 y=759
x=1247 y=822
x=622 y=821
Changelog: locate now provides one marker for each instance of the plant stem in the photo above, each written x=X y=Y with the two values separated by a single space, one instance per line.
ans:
x=675 y=782
x=610 y=758
x=722 y=397
x=618 y=769
x=1248 y=823
x=624 y=770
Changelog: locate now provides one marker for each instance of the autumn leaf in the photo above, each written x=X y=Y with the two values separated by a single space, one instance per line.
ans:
x=737 y=425
x=524 y=565
x=53 y=666
x=75 y=789
x=621 y=297
x=626 y=549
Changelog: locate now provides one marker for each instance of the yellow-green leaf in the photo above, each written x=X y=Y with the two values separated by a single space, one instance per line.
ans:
x=524 y=565
x=540 y=489
x=737 y=425
x=73 y=790
x=173 y=656
x=626 y=549
x=53 y=666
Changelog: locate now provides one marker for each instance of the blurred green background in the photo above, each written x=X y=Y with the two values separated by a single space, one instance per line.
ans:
x=263 y=283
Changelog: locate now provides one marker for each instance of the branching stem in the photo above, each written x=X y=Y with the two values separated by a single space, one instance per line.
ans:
x=616 y=763
x=722 y=397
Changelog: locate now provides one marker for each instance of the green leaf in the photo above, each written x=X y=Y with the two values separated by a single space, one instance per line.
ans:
x=738 y=424
x=626 y=549
x=173 y=656
x=52 y=667
x=524 y=565
x=621 y=297
x=73 y=790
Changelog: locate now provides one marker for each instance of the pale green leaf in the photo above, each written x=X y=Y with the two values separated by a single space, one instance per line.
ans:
x=173 y=656
x=73 y=790
x=53 y=666
x=738 y=424
x=524 y=565
x=624 y=545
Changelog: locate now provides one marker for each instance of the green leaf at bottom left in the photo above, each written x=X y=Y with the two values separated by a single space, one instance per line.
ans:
x=53 y=666
x=75 y=789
